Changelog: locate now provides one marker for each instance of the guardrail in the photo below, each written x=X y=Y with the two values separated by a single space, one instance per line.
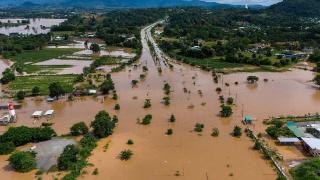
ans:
x=266 y=150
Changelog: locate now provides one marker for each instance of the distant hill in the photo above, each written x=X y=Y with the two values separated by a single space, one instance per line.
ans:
x=116 y=3
x=297 y=7
x=141 y=3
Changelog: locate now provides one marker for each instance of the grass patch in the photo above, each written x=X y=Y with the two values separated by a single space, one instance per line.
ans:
x=106 y=60
x=211 y=63
x=43 y=68
x=42 y=55
x=61 y=33
x=26 y=83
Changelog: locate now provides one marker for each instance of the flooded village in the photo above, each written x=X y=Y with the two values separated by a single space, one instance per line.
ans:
x=169 y=117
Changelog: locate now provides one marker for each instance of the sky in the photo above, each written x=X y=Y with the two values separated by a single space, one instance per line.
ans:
x=262 y=2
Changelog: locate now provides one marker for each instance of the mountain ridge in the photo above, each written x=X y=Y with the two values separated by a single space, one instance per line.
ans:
x=117 y=3
x=297 y=7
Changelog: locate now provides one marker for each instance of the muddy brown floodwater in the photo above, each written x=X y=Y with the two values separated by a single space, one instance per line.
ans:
x=195 y=156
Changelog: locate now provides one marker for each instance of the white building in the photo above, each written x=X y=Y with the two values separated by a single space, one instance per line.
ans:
x=313 y=145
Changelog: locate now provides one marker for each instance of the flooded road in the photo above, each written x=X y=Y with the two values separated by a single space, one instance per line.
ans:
x=191 y=155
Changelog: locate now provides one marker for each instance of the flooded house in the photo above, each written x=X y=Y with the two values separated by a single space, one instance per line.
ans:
x=312 y=145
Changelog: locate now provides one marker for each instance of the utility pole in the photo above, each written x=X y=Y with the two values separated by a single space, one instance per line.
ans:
x=242 y=111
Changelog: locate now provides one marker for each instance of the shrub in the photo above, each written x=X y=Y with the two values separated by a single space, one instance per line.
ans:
x=79 y=128
x=125 y=154
x=23 y=161
x=134 y=82
x=102 y=125
x=68 y=157
x=7 y=148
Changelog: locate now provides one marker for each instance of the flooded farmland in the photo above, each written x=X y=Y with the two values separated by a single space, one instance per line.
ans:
x=35 y=26
x=193 y=155
x=76 y=66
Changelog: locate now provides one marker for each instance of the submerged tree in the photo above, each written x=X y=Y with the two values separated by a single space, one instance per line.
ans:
x=316 y=80
x=147 y=103
x=169 y=132
x=252 y=79
x=237 y=132
x=95 y=48
x=198 y=127
x=102 y=125
x=172 y=118
x=145 y=68
x=167 y=88
x=35 y=91
x=116 y=107
x=107 y=86
x=226 y=111
x=125 y=154
x=7 y=76
x=215 y=132
x=147 y=119
x=20 y=95
x=56 y=90
x=230 y=101
x=68 y=157
x=134 y=82
x=166 y=100
x=23 y=161
x=79 y=128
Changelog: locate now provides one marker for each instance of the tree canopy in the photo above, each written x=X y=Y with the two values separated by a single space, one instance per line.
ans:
x=102 y=125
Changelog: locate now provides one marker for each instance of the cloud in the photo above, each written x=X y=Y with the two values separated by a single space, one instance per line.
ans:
x=262 y=2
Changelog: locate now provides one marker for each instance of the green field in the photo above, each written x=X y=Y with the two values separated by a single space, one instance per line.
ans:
x=42 y=55
x=26 y=83
x=43 y=69
x=211 y=63
x=62 y=33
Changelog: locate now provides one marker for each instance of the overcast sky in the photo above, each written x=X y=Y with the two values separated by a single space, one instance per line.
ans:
x=262 y=2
